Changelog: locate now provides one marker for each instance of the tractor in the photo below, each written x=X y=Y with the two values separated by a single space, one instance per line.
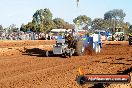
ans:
x=76 y=45
x=61 y=47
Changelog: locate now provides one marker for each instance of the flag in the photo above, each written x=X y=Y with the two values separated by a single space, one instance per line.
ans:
x=80 y=71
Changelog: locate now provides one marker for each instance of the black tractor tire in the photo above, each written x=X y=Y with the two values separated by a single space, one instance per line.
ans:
x=79 y=48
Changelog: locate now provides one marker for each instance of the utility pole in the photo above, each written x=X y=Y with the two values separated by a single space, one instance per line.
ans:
x=77 y=2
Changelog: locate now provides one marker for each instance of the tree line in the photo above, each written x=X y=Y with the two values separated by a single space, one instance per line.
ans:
x=43 y=22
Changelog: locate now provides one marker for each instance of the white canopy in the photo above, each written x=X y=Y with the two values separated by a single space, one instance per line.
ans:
x=63 y=30
x=60 y=30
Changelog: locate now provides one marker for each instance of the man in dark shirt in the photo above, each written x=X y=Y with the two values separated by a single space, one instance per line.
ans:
x=69 y=40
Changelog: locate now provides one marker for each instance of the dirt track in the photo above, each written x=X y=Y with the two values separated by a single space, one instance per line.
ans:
x=20 y=70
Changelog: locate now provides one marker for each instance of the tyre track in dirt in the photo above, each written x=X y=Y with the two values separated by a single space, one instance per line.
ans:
x=43 y=72
x=25 y=67
x=19 y=43
x=30 y=65
x=55 y=71
x=13 y=72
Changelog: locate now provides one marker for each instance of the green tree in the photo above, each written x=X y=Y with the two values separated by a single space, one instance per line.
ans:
x=27 y=27
x=59 y=23
x=82 y=21
x=125 y=26
x=48 y=25
x=68 y=26
x=99 y=23
x=130 y=29
x=40 y=18
x=1 y=28
x=23 y=28
x=115 y=18
x=116 y=15
x=30 y=26
x=13 y=28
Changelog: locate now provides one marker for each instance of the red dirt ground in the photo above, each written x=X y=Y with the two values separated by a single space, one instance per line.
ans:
x=20 y=70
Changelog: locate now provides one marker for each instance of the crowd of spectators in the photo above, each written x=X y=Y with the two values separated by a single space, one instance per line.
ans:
x=28 y=36
x=21 y=36
x=41 y=36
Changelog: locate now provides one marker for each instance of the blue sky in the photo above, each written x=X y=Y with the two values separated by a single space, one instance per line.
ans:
x=21 y=11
